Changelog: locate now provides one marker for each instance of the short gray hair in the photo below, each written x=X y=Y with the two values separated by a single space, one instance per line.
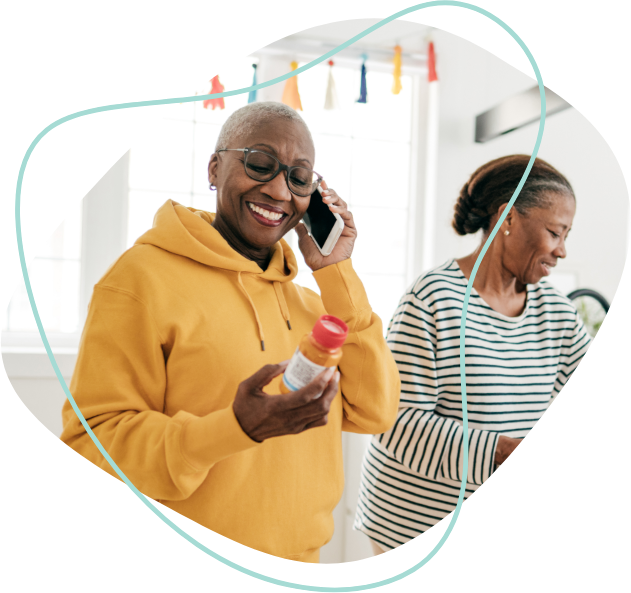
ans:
x=244 y=120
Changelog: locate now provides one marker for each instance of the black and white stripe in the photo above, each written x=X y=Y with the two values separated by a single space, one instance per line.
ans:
x=515 y=367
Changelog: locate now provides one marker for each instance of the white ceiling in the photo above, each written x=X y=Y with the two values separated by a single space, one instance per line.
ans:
x=411 y=36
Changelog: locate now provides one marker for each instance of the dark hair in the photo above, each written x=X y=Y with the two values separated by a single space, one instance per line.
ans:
x=493 y=184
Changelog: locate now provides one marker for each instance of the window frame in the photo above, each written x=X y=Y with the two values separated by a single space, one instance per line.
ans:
x=106 y=201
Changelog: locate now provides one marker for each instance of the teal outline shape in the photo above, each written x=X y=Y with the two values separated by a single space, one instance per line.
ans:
x=463 y=319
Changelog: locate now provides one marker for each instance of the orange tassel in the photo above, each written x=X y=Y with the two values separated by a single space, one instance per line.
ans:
x=396 y=83
x=291 y=96
x=216 y=87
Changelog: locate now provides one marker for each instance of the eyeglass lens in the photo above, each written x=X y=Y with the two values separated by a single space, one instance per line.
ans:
x=263 y=167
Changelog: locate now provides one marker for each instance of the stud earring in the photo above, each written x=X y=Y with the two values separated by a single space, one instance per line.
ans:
x=212 y=187
x=507 y=233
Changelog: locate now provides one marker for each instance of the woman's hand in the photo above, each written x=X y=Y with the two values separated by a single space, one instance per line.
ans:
x=505 y=446
x=263 y=416
x=344 y=246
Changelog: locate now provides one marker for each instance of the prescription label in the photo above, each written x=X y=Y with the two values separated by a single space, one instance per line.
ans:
x=300 y=371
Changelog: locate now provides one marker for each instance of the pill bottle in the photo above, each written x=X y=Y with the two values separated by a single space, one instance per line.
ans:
x=317 y=351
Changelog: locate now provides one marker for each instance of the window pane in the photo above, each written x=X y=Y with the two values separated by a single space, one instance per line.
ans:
x=385 y=116
x=55 y=286
x=380 y=174
x=163 y=160
x=333 y=162
x=65 y=242
x=381 y=245
x=54 y=276
x=312 y=86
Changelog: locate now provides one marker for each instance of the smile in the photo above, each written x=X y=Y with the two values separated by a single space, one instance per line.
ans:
x=269 y=217
x=547 y=268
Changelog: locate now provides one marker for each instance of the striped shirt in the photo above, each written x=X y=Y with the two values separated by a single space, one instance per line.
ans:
x=515 y=366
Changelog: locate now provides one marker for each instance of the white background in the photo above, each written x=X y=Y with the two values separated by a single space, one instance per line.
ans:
x=472 y=80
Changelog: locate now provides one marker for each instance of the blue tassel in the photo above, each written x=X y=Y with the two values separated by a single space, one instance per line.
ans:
x=363 y=92
x=252 y=94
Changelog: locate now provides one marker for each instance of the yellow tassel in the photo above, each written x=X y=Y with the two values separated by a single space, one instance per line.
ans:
x=291 y=96
x=396 y=83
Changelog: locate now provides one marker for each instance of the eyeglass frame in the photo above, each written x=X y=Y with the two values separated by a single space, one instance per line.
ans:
x=281 y=167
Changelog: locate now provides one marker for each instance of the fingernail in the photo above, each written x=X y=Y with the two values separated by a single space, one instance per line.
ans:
x=329 y=373
x=337 y=377
x=284 y=362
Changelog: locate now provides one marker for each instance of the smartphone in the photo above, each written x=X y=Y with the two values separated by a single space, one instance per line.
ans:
x=324 y=226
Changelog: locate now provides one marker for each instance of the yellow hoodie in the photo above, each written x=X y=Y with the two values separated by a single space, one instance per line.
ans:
x=173 y=327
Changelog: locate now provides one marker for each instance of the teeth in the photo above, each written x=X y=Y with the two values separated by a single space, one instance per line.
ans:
x=265 y=213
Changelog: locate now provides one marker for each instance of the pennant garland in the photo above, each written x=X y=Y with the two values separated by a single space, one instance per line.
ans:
x=396 y=74
x=363 y=91
x=216 y=87
x=252 y=94
x=331 y=101
x=291 y=96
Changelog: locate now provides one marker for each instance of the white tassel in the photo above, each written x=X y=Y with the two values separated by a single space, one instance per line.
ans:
x=330 y=101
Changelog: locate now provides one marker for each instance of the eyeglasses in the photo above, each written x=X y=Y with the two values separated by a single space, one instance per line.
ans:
x=262 y=166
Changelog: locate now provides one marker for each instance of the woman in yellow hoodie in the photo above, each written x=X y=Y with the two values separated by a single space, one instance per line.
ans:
x=178 y=370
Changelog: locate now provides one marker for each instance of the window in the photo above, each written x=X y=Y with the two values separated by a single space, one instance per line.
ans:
x=55 y=278
x=362 y=150
x=172 y=162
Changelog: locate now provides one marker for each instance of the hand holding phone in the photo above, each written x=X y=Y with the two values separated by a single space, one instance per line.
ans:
x=324 y=226
x=328 y=232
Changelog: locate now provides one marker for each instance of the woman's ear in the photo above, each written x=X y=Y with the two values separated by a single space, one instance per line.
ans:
x=509 y=220
x=212 y=169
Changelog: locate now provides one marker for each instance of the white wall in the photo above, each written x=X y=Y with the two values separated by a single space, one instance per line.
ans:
x=472 y=81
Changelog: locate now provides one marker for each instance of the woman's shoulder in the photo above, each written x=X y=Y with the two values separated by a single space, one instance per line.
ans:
x=446 y=277
x=544 y=295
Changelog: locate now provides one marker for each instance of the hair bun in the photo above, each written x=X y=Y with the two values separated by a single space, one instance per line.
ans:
x=468 y=217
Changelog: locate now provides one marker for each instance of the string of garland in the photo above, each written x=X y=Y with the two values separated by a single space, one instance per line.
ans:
x=291 y=94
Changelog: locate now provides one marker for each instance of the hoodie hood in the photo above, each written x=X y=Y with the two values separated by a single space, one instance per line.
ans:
x=189 y=232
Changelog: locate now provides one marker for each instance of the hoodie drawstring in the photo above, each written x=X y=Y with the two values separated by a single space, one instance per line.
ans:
x=256 y=315
x=284 y=309
x=281 y=302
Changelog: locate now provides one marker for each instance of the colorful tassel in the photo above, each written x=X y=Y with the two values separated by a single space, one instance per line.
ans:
x=331 y=101
x=216 y=87
x=291 y=96
x=396 y=74
x=363 y=91
x=252 y=94
x=431 y=63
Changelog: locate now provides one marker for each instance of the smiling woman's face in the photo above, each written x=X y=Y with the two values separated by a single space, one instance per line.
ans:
x=537 y=239
x=260 y=213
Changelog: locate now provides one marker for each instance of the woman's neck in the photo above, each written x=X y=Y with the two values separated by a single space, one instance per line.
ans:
x=494 y=283
x=260 y=256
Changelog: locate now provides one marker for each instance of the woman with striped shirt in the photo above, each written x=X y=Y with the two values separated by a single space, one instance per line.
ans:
x=523 y=341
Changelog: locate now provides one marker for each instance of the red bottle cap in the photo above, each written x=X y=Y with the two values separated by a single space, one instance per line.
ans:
x=330 y=331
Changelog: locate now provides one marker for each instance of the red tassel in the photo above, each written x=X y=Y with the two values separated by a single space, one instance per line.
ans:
x=431 y=63
x=216 y=87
